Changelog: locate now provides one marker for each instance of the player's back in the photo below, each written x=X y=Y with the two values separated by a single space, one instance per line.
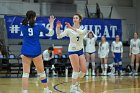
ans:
x=31 y=44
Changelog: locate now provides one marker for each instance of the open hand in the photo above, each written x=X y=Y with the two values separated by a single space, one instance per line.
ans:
x=58 y=25
x=51 y=19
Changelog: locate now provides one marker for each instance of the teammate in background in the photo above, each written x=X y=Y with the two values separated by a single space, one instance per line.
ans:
x=134 y=53
x=90 y=50
x=48 y=57
x=31 y=49
x=75 y=50
x=103 y=52
x=117 y=53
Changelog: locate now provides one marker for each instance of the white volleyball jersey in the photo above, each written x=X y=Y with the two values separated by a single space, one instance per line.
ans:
x=90 y=44
x=76 y=38
x=135 y=46
x=46 y=55
x=103 y=50
x=117 y=47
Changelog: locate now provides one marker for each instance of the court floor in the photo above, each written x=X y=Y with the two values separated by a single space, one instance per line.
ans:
x=99 y=84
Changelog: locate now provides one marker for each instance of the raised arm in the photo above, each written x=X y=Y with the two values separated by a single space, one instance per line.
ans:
x=80 y=31
x=58 y=31
x=50 y=30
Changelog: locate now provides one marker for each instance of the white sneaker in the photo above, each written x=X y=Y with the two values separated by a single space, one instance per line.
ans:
x=76 y=89
x=79 y=89
x=135 y=74
x=46 y=90
x=131 y=73
x=24 y=91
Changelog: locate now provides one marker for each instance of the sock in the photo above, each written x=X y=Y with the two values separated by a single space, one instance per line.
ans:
x=102 y=67
x=24 y=91
x=116 y=67
x=120 y=68
x=132 y=66
x=137 y=67
x=93 y=66
x=105 y=65
x=46 y=89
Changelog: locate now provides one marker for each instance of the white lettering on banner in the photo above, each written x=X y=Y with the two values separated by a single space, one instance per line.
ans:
x=97 y=30
x=106 y=33
x=14 y=29
x=107 y=30
x=113 y=29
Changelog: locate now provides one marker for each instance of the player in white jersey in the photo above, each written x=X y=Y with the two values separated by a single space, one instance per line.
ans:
x=90 y=50
x=103 y=52
x=117 y=52
x=75 y=50
x=134 y=52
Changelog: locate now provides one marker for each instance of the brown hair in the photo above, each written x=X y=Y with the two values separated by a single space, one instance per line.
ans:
x=80 y=16
x=90 y=33
x=29 y=19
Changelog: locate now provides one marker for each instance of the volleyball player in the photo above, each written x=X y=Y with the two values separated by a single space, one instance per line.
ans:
x=117 y=52
x=134 y=53
x=31 y=49
x=103 y=52
x=75 y=50
x=90 y=50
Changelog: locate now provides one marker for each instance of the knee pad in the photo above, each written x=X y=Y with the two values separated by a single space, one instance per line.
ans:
x=44 y=80
x=81 y=74
x=75 y=75
x=25 y=75
x=43 y=74
x=120 y=63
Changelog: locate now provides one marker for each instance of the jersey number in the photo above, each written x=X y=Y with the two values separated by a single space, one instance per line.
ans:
x=30 y=30
x=78 y=38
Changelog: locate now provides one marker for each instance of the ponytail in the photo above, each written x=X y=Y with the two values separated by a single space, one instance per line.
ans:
x=25 y=21
x=30 y=18
x=31 y=22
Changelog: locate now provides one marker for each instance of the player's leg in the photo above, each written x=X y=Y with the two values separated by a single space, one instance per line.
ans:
x=105 y=65
x=102 y=65
x=83 y=69
x=38 y=62
x=116 y=63
x=26 y=62
x=137 y=64
x=74 y=59
x=93 y=63
x=87 y=62
x=120 y=63
x=132 y=62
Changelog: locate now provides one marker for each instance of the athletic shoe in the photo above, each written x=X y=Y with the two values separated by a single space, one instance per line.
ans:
x=24 y=91
x=46 y=90
x=135 y=74
x=76 y=89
